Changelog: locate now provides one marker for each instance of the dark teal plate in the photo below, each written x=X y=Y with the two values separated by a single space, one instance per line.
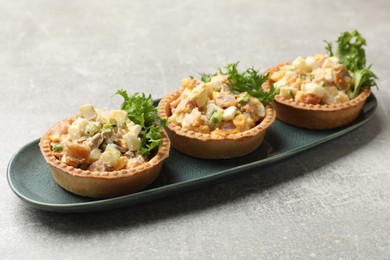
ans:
x=29 y=176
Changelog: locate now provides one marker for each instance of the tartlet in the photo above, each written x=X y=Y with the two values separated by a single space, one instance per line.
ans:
x=106 y=175
x=215 y=142
x=323 y=91
x=317 y=116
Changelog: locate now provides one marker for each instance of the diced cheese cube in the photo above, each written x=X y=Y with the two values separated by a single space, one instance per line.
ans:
x=316 y=73
x=330 y=94
x=199 y=95
x=313 y=88
x=199 y=88
x=311 y=63
x=135 y=129
x=330 y=62
x=102 y=115
x=300 y=63
x=88 y=111
x=95 y=155
x=229 y=113
x=328 y=74
x=191 y=118
x=77 y=128
x=74 y=132
x=215 y=85
x=133 y=142
x=118 y=116
x=109 y=158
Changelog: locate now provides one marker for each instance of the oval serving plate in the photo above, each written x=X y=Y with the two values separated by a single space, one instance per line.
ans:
x=30 y=179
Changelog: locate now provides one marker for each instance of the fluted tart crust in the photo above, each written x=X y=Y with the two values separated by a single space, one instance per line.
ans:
x=318 y=116
x=104 y=184
x=211 y=146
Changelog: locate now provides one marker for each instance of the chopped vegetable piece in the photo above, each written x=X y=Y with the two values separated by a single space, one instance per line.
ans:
x=243 y=99
x=58 y=147
x=216 y=117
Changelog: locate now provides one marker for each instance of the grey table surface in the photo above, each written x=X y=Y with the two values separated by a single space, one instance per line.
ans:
x=331 y=202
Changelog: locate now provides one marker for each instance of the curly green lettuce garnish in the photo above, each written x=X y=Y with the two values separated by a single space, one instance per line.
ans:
x=204 y=77
x=363 y=77
x=249 y=81
x=141 y=110
x=352 y=55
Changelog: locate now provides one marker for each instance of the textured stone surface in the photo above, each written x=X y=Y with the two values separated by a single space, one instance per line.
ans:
x=331 y=202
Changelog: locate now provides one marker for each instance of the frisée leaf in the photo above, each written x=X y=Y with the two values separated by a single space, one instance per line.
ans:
x=141 y=110
x=250 y=81
x=352 y=55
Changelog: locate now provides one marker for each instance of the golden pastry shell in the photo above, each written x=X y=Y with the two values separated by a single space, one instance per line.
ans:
x=207 y=146
x=103 y=184
x=317 y=116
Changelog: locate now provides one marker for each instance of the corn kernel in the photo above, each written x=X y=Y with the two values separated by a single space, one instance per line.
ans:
x=239 y=121
x=55 y=138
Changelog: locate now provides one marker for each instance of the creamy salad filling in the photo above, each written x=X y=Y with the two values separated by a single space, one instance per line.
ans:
x=213 y=108
x=318 y=79
x=98 y=140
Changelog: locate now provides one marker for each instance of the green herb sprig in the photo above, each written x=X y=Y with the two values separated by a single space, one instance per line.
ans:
x=249 y=81
x=204 y=77
x=141 y=110
x=352 y=55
